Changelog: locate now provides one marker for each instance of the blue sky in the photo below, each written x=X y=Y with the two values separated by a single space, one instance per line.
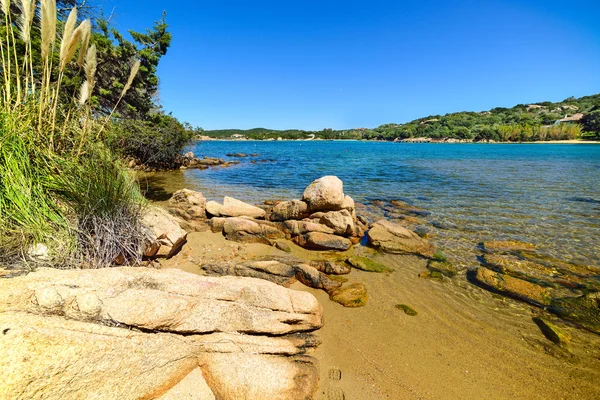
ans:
x=346 y=64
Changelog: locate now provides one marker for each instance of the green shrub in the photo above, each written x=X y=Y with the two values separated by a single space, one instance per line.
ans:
x=156 y=143
x=60 y=186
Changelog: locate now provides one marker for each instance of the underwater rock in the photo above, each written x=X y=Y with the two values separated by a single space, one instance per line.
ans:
x=368 y=265
x=353 y=295
x=514 y=287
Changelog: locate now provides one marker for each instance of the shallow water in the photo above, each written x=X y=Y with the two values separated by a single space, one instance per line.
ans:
x=547 y=194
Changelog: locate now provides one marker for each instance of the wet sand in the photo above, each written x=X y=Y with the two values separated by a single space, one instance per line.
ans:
x=465 y=343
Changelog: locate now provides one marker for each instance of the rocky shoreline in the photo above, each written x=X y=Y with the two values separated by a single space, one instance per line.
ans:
x=165 y=332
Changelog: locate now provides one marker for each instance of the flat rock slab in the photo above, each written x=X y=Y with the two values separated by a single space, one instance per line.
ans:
x=322 y=241
x=396 y=239
x=236 y=208
x=163 y=300
x=68 y=335
x=514 y=287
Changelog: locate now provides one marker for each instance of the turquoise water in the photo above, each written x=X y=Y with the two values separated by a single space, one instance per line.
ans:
x=545 y=194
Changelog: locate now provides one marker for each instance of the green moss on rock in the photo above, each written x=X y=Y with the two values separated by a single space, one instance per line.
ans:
x=584 y=310
x=444 y=268
x=354 y=295
x=552 y=332
x=366 y=264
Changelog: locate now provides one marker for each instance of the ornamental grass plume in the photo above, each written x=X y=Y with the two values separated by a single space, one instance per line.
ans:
x=67 y=43
x=27 y=9
x=86 y=33
x=84 y=93
x=91 y=63
x=132 y=74
x=48 y=22
x=5 y=4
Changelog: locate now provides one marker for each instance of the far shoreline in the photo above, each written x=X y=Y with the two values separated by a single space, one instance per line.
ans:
x=571 y=141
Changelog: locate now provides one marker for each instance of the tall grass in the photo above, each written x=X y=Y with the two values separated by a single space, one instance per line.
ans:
x=60 y=186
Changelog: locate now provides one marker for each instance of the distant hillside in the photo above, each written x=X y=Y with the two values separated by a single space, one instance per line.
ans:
x=568 y=119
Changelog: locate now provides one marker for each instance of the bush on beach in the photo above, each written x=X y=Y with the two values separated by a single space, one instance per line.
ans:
x=65 y=200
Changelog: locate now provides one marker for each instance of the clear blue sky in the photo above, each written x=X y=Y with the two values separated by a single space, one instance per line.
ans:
x=345 y=64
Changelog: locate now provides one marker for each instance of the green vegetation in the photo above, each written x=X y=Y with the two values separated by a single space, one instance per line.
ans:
x=407 y=309
x=522 y=123
x=65 y=198
x=156 y=142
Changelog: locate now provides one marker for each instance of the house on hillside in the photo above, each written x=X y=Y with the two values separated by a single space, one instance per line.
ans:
x=573 y=118
x=238 y=136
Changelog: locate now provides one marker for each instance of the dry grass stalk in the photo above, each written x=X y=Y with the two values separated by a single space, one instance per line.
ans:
x=48 y=16
x=27 y=8
x=132 y=74
x=67 y=45
x=91 y=63
x=86 y=33
x=5 y=6
x=84 y=93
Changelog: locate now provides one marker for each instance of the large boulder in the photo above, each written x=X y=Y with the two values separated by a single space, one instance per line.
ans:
x=213 y=208
x=188 y=204
x=341 y=222
x=289 y=210
x=270 y=270
x=324 y=194
x=322 y=241
x=166 y=236
x=131 y=333
x=162 y=300
x=394 y=238
x=236 y=208
x=249 y=230
x=312 y=277
x=301 y=227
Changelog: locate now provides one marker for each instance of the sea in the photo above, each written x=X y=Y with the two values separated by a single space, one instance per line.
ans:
x=545 y=194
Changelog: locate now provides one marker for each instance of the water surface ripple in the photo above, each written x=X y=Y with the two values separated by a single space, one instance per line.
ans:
x=545 y=194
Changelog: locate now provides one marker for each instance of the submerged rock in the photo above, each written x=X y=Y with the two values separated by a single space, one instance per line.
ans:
x=394 y=238
x=514 y=287
x=326 y=193
x=543 y=274
x=552 y=332
x=584 y=310
x=368 y=265
x=443 y=267
x=506 y=246
x=353 y=295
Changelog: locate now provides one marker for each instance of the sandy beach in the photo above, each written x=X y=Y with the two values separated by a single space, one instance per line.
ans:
x=464 y=343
